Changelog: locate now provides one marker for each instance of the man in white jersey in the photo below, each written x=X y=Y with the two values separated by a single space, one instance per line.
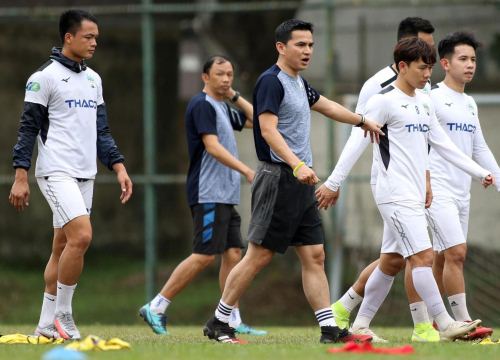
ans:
x=64 y=112
x=448 y=216
x=402 y=160
x=423 y=330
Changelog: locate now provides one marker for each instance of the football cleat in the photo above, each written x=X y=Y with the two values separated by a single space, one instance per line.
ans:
x=458 y=329
x=48 y=331
x=248 y=330
x=424 y=332
x=333 y=334
x=221 y=332
x=65 y=326
x=341 y=315
x=368 y=332
x=480 y=332
x=157 y=322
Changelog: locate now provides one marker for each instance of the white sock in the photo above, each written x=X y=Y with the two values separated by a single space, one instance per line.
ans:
x=64 y=297
x=235 y=318
x=159 y=304
x=223 y=311
x=325 y=317
x=459 y=307
x=376 y=290
x=418 y=312
x=48 y=310
x=427 y=289
x=351 y=299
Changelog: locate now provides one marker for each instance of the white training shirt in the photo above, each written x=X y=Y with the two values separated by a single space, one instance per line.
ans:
x=410 y=125
x=357 y=142
x=458 y=116
x=71 y=99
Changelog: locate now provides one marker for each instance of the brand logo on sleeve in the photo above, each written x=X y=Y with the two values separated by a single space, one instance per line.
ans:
x=33 y=86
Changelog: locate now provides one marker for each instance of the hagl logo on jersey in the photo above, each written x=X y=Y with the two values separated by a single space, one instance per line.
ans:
x=471 y=109
x=92 y=81
x=417 y=127
x=81 y=103
x=462 y=127
x=426 y=108
x=33 y=86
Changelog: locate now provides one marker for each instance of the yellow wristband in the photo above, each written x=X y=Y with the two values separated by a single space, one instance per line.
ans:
x=297 y=167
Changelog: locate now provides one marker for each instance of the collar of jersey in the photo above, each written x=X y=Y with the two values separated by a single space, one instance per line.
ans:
x=57 y=55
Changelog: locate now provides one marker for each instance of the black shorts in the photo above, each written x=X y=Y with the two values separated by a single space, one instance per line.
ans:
x=284 y=211
x=216 y=228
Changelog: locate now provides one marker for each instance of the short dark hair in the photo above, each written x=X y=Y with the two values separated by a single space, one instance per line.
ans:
x=215 y=59
x=413 y=49
x=283 y=32
x=447 y=45
x=411 y=26
x=71 y=20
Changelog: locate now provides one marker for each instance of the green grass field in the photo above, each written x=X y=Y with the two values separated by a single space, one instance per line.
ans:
x=281 y=343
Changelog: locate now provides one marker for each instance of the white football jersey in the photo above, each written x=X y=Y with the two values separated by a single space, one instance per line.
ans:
x=458 y=116
x=71 y=100
x=410 y=125
x=357 y=142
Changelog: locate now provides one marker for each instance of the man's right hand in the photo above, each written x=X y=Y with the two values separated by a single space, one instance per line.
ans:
x=250 y=174
x=488 y=180
x=20 y=192
x=306 y=175
x=326 y=197
x=373 y=128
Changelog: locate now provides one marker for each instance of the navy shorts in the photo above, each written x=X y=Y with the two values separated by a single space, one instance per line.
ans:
x=216 y=228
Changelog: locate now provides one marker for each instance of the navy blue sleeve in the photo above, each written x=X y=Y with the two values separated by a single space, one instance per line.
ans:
x=268 y=95
x=35 y=117
x=107 y=151
x=312 y=94
x=237 y=118
x=204 y=118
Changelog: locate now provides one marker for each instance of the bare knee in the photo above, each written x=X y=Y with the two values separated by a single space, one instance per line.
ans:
x=393 y=265
x=318 y=258
x=456 y=255
x=233 y=255
x=422 y=259
x=202 y=260
x=257 y=256
x=80 y=240
x=313 y=259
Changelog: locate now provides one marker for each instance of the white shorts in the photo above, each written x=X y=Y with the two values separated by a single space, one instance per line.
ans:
x=68 y=197
x=405 y=229
x=448 y=220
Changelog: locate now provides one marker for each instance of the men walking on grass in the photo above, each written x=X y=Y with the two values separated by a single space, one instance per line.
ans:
x=284 y=211
x=448 y=216
x=402 y=157
x=64 y=111
x=213 y=188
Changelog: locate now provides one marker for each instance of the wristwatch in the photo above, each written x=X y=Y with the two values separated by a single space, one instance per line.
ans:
x=235 y=97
